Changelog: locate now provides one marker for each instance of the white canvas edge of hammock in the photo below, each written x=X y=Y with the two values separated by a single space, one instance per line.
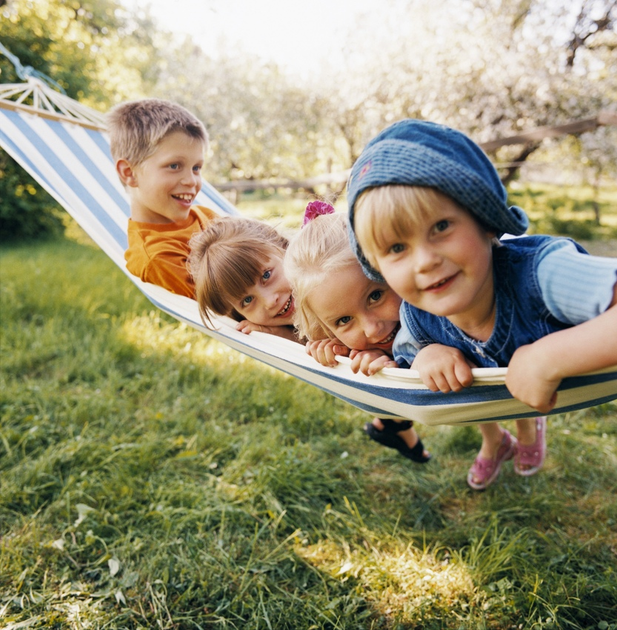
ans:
x=29 y=138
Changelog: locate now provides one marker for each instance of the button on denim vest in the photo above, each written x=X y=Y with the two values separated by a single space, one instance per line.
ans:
x=521 y=316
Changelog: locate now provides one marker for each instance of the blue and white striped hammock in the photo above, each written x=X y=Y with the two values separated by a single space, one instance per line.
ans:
x=70 y=158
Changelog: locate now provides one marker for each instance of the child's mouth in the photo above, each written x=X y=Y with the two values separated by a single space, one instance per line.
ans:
x=440 y=284
x=286 y=309
x=390 y=338
x=186 y=198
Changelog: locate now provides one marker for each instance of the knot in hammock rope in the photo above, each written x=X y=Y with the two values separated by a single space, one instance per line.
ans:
x=26 y=72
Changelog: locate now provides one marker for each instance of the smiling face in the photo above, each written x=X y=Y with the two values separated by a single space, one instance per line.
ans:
x=268 y=302
x=164 y=186
x=362 y=314
x=442 y=264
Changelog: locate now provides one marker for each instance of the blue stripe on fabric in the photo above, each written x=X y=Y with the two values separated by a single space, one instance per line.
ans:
x=101 y=141
x=585 y=404
x=427 y=398
x=67 y=176
x=213 y=194
x=23 y=158
x=588 y=379
x=94 y=169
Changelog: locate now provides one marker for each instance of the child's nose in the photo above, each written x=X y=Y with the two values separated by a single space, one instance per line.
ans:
x=272 y=299
x=425 y=258
x=372 y=330
x=191 y=179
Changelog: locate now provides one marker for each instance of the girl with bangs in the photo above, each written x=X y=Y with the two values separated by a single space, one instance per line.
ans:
x=237 y=266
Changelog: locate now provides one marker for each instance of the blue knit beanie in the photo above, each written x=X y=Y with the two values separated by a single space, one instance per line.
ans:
x=421 y=153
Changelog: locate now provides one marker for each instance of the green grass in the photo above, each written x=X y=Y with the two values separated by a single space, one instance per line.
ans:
x=568 y=210
x=152 y=478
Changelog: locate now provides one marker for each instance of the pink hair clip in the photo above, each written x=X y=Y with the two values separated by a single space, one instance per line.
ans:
x=316 y=209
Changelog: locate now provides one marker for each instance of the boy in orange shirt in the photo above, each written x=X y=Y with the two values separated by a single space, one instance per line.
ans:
x=158 y=147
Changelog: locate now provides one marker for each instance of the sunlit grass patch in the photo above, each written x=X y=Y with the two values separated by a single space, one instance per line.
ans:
x=153 y=333
x=399 y=580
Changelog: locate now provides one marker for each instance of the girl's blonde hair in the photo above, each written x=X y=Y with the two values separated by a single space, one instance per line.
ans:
x=227 y=258
x=387 y=211
x=318 y=250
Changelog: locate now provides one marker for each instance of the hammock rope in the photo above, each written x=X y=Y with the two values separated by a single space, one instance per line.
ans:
x=68 y=154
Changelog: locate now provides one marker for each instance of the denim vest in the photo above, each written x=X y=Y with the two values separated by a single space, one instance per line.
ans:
x=521 y=315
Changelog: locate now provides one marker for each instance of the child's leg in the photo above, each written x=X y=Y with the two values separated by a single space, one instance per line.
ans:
x=497 y=447
x=531 y=433
x=399 y=435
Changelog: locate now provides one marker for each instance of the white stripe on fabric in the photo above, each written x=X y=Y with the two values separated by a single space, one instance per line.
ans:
x=101 y=168
x=50 y=131
x=57 y=185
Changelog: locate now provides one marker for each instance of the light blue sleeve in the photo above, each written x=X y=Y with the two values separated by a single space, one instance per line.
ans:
x=576 y=287
x=405 y=346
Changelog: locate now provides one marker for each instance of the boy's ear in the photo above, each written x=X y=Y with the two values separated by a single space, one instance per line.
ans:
x=126 y=173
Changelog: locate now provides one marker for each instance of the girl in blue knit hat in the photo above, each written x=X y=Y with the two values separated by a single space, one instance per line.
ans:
x=426 y=212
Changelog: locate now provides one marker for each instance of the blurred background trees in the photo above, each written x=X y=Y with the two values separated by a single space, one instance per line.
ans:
x=491 y=68
x=97 y=52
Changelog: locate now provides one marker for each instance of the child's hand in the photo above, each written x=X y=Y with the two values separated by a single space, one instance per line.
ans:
x=370 y=362
x=325 y=350
x=247 y=327
x=529 y=380
x=443 y=369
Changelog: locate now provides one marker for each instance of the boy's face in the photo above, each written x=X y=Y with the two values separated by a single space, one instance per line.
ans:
x=269 y=301
x=164 y=186
x=362 y=314
x=443 y=266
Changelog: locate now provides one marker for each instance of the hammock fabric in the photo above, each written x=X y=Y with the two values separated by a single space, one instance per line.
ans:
x=71 y=160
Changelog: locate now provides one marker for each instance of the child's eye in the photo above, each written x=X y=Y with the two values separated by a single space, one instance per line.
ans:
x=267 y=274
x=196 y=169
x=174 y=167
x=441 y=226
x=375 y=296
x=343 y=320
x=246 y=301
x=397 y=248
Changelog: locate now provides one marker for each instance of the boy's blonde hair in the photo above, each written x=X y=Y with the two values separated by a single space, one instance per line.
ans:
x=227 y=258
x=136 y=128
x=318 y=250
x=387 y=211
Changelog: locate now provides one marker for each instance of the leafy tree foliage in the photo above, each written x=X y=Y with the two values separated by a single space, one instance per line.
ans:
x=261 y=124
x=26 y=211
x=491 y=68
x=96 y=51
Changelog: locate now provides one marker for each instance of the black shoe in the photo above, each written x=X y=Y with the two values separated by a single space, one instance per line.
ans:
x=388 y=436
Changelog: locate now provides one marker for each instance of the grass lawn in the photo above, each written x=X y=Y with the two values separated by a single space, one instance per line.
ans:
x=153 y=478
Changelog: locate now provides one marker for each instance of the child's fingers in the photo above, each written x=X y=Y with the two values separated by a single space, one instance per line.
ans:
x=245 y=327
x=442 y=381
x=356 y=363
x=341 y=350
x=370 y=362
x=322 y=351
x=462 y=375
x=381 y=363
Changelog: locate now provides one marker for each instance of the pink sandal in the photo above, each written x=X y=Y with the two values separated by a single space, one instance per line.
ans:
x=485 y=470
x=532 y=455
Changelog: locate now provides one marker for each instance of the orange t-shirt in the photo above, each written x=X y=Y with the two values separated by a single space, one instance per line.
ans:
x=157 y=252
